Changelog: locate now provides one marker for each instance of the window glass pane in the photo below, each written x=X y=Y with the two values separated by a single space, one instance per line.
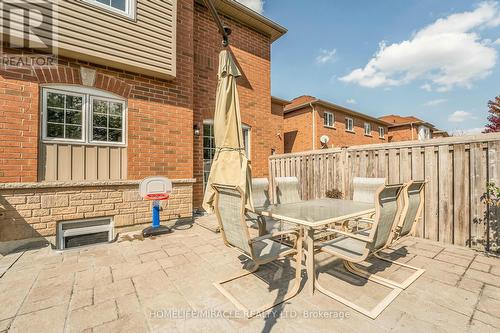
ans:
x=100 y=120
x=73 y=132
x=55 y=116
x=118 y=4
x=206 y=142
x=207 y=130
x=55 y=100
x=115 y=122
x=115 y=135
x=74 y=102
x=99 y=134
x=115 y=108
x=55 y=130
x=74 y=117
x=100 y=106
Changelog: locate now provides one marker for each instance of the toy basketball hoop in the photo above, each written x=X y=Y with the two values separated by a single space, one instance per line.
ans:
x=155 y=189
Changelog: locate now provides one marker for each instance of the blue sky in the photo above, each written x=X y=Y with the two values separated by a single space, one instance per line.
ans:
x=437 y=60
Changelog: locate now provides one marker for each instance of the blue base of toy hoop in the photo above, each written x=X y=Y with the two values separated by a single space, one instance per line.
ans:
x=155 y=228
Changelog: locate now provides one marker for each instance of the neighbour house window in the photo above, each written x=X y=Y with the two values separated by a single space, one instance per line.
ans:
x=209 y=146
x=424 y=133
x=76 y=114
x=329 y=119
x=349 y=124
x=381 y=132
x=123 y=7
x=368 y=129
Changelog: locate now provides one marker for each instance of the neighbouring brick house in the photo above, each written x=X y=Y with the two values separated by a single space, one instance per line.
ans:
x=307 y=119
x=410 y=128
x=132 y=96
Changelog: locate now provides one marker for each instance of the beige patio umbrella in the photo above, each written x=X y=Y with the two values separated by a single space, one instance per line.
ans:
x=230 y=165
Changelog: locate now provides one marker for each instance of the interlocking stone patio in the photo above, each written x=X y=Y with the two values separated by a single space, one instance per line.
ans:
x=165 y=285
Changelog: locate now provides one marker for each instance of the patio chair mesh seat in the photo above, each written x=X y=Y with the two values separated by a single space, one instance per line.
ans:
x=348 y=247
x=269 y=248
x=388 y=212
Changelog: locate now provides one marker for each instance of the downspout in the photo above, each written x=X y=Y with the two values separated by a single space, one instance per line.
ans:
x=313 y=125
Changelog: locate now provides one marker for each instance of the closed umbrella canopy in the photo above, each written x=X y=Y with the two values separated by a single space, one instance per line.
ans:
x=230 y=165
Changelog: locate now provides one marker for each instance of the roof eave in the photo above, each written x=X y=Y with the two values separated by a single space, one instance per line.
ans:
x=338 y=107
x=249 y=17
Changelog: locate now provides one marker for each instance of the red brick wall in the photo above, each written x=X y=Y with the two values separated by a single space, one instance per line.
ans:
x=251 y=51
x=299 y=121
x=402 y=133
x=298 y=130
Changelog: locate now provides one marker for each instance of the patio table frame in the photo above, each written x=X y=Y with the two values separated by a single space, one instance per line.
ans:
x=279 y=211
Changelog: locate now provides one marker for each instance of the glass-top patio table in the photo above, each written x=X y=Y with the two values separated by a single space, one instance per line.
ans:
x=314 y=214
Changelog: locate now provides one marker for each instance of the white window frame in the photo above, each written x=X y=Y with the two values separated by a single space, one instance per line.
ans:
x=350 y=121
x=130 y=8
x=381 y=132
x=329 y=116
x=87 y=94
x=368 y=129
x=91 y=120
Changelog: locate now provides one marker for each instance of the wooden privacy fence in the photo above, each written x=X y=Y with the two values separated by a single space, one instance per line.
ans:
x=457 y=170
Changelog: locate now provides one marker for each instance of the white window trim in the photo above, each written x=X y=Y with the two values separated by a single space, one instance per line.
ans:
x=45 y=117
x=326 y=115
x=370 y=127
x=351 y=121
x=130 y=8
x=87 y=94
x=381 y=132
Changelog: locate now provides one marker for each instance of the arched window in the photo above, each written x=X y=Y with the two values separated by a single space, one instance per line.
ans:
x=75 y=114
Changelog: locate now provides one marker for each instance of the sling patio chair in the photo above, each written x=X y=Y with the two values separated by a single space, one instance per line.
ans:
x=260 y=197
x=364 y=189
x=355 y=248
x=230 y=213
x=287 y=190
x=413 y=201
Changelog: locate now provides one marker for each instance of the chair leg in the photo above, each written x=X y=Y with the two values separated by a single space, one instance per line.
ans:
x=372 y=313
x=252 y=313
x=412 y=278
x=373 y=277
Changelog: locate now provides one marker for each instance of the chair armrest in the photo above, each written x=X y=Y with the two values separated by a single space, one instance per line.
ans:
x=365 y=220
x=351 y=235
x=273 y=235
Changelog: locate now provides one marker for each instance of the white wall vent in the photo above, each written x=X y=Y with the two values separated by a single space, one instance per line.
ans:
x=84 y=232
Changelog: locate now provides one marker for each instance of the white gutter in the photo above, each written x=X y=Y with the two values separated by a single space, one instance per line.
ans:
x=313 y=125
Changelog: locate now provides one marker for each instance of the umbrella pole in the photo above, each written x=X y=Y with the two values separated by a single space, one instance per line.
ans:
x=223 y=30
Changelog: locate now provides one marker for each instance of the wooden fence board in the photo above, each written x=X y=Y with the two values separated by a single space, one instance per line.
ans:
x=461 y=206
x=445 y=180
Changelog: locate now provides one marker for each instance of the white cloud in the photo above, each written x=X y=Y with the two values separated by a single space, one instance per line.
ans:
x=435 y=102
x=469 y=131
x=351 y=101
x=497 y=42
x=444 y=54
x=460 y=116
x=256 y=5
x=326 y=56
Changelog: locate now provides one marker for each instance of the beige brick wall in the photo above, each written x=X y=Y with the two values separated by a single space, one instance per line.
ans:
x=29 y=210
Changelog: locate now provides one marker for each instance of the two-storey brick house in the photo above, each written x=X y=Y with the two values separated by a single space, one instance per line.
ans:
x=307 y=119
x=132 y=95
